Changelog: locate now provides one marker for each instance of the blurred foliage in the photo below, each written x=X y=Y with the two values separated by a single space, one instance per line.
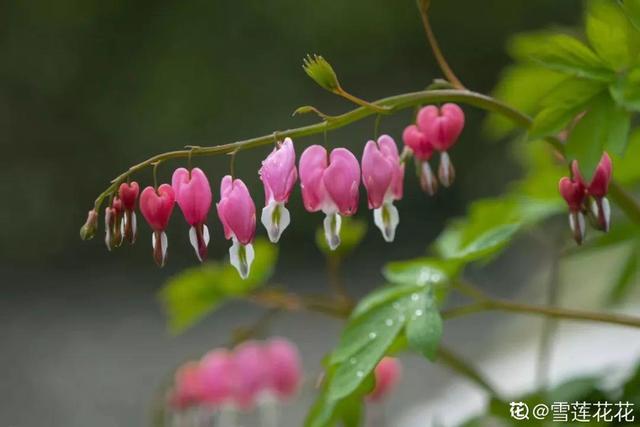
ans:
x=197 y=291
x=600 y=80
x=588 y=389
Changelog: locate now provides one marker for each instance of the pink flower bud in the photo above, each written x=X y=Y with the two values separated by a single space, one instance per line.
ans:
x=574 y=194
x=88 y=230
x=382 y=176
x=193 y=195
x=418 y=142
x=156 y=207
x=331 y=185
x=599 y=186
x=278 y=174
x=216 y=377
x=128 y=193
x=237 y=213
x=387 y=375
x=442 y=126
x=187 y=390
x=284 y=367
x=113 y=224
x=422 y=150
x=250 y=373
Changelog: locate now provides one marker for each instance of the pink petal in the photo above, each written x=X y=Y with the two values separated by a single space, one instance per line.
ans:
x=313 y=163
x=377 y=174
x=341 y=180
x=278 y=172
x=156 y=206
x=193 y=194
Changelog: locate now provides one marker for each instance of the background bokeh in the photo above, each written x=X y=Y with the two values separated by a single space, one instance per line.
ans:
x=89 y=87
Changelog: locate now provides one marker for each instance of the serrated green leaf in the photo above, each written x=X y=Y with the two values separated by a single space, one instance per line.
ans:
x=562 y=104
x=561 y=53
x=626 y=89
x=628 y=277
x=605 y=126
x=351 y=234
x=610 y=33
x=424 y=324
x=197 y=291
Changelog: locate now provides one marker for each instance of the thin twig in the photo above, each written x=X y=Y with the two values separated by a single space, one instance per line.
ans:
x=464 y=368
x=423 y=7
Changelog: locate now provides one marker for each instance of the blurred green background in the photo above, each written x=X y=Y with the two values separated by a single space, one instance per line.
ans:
x=88 y=88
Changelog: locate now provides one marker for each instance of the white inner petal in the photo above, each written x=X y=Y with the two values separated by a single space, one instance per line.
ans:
x=275 y=218
x=241 y=257
x=193 y=239
x=205 y=234
x=606 y=212
x=332 y=223
x=386 y=218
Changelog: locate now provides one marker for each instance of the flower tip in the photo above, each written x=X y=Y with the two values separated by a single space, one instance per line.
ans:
x=89 y=228
x=321 y=72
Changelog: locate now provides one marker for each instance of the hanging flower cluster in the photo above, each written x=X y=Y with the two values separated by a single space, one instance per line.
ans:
x=329 y=181
x=436 y=129
x=588 y=198
x=254 y=373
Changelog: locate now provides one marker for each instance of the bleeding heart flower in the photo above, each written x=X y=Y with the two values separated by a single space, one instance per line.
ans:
x=597 y=189
x=193 y=195
x=387 y=374
x=382 y=176
x=128 y=193
x=250 y=372
x=113 y=224
x=422 y=150
x=216 y=377
x=442 y=127
x=187 y=391
x=284 y=367
x=330 y=185
x=574 y=193
x=278 y=174
x=156 y=207
x=237 y=212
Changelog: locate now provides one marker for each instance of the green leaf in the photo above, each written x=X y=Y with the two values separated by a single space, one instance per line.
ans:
x=561 y=53
x=198 y=291
x=605 y=126
x=424 y=324
x=626 y=89
x=626 y=170
x=421 y=271
x=632 y=10
x=362 y=345
x=610 y=33
x=629 y=275
x=351 y=234
x=327 y=412
x=565 y=101
x=521 y=86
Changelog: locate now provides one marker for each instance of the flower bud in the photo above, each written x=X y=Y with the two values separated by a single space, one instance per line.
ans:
x=321 y=72
x=187 y=390
x=574 y=194
x=237 y=213
x=88 y=230
x=250 y=373
x=387 y=374
x=278 y=174
x=216 y=377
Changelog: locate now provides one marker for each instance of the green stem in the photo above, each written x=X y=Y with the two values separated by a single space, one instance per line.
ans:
x=393 y=103
x=463 y=368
